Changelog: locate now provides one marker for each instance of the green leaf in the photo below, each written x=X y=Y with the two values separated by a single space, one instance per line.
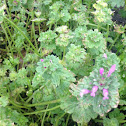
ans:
x=47 y=39
x=65 y=15
x=122 y=102
x=52 y=71
x=80 y=111
x=102 y=13
x=110 y=122
x=13 y=115
x=116 y=114
x=6 y=122
x=2 y=12
x=4 y=101
x=14 y=5
x=94 y=39
x=47 y=2
x=75 y=57
x=117 y=3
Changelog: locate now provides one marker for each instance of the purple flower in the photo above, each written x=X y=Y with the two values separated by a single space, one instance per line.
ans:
x=44 y=67
x=42 y=60
x=105 y=56
x=101 y=71
x=105 y=94
x=94 y=90
x=112 y=69
x=84 y=91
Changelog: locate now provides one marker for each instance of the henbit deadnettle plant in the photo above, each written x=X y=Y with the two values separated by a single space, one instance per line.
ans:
x=99 y=91
x=95 y=88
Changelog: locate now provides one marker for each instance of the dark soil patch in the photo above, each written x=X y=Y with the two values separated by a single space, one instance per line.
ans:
x=119 y=16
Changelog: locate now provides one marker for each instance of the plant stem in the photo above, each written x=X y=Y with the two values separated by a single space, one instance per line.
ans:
x=89 y=5
x=59 y=119
x=67 y=120
x=7 y=9
x=16 y=105
x=39 y=27
x=46 y=110
x=31 y=96
x=22 y=34
x=64 y=53
x=114 y=41
x=97 y=26
x=50 y=26
x=3 y=50
x=48 y=116
x=96 y=120
x=7 y=39
x=123 y=121
x=107 y=32
x=42 y=124
x=33 y=30
x=44 y=103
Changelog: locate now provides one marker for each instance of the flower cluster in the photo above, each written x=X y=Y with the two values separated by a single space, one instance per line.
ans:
x=95 y=87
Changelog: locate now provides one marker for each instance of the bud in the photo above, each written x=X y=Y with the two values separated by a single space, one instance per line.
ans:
x=42 y=60
x=105 y=56
x=101 y=71
x=94 y=90
x=112 y=69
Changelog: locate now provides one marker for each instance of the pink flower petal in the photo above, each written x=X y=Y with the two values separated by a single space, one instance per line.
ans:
x=81 y=94
x=84 y=91
x=101 y=71
x=105 y=94
x=112 y=69
x=104 y=98
x=92 y=94
x=94 y=90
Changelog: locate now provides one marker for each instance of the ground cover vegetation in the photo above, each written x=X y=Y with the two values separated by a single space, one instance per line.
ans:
x=62 y=63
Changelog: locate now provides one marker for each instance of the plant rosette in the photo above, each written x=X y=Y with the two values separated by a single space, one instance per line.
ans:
x=75 y=58
x=51 y=71
x=99 y=90
x=47 y=40
x=94 y=40
x=102 y=12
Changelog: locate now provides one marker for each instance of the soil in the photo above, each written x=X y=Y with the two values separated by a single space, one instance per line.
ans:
x=119 y=16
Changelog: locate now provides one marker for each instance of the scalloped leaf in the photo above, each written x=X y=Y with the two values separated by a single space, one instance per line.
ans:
x=80 y=111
